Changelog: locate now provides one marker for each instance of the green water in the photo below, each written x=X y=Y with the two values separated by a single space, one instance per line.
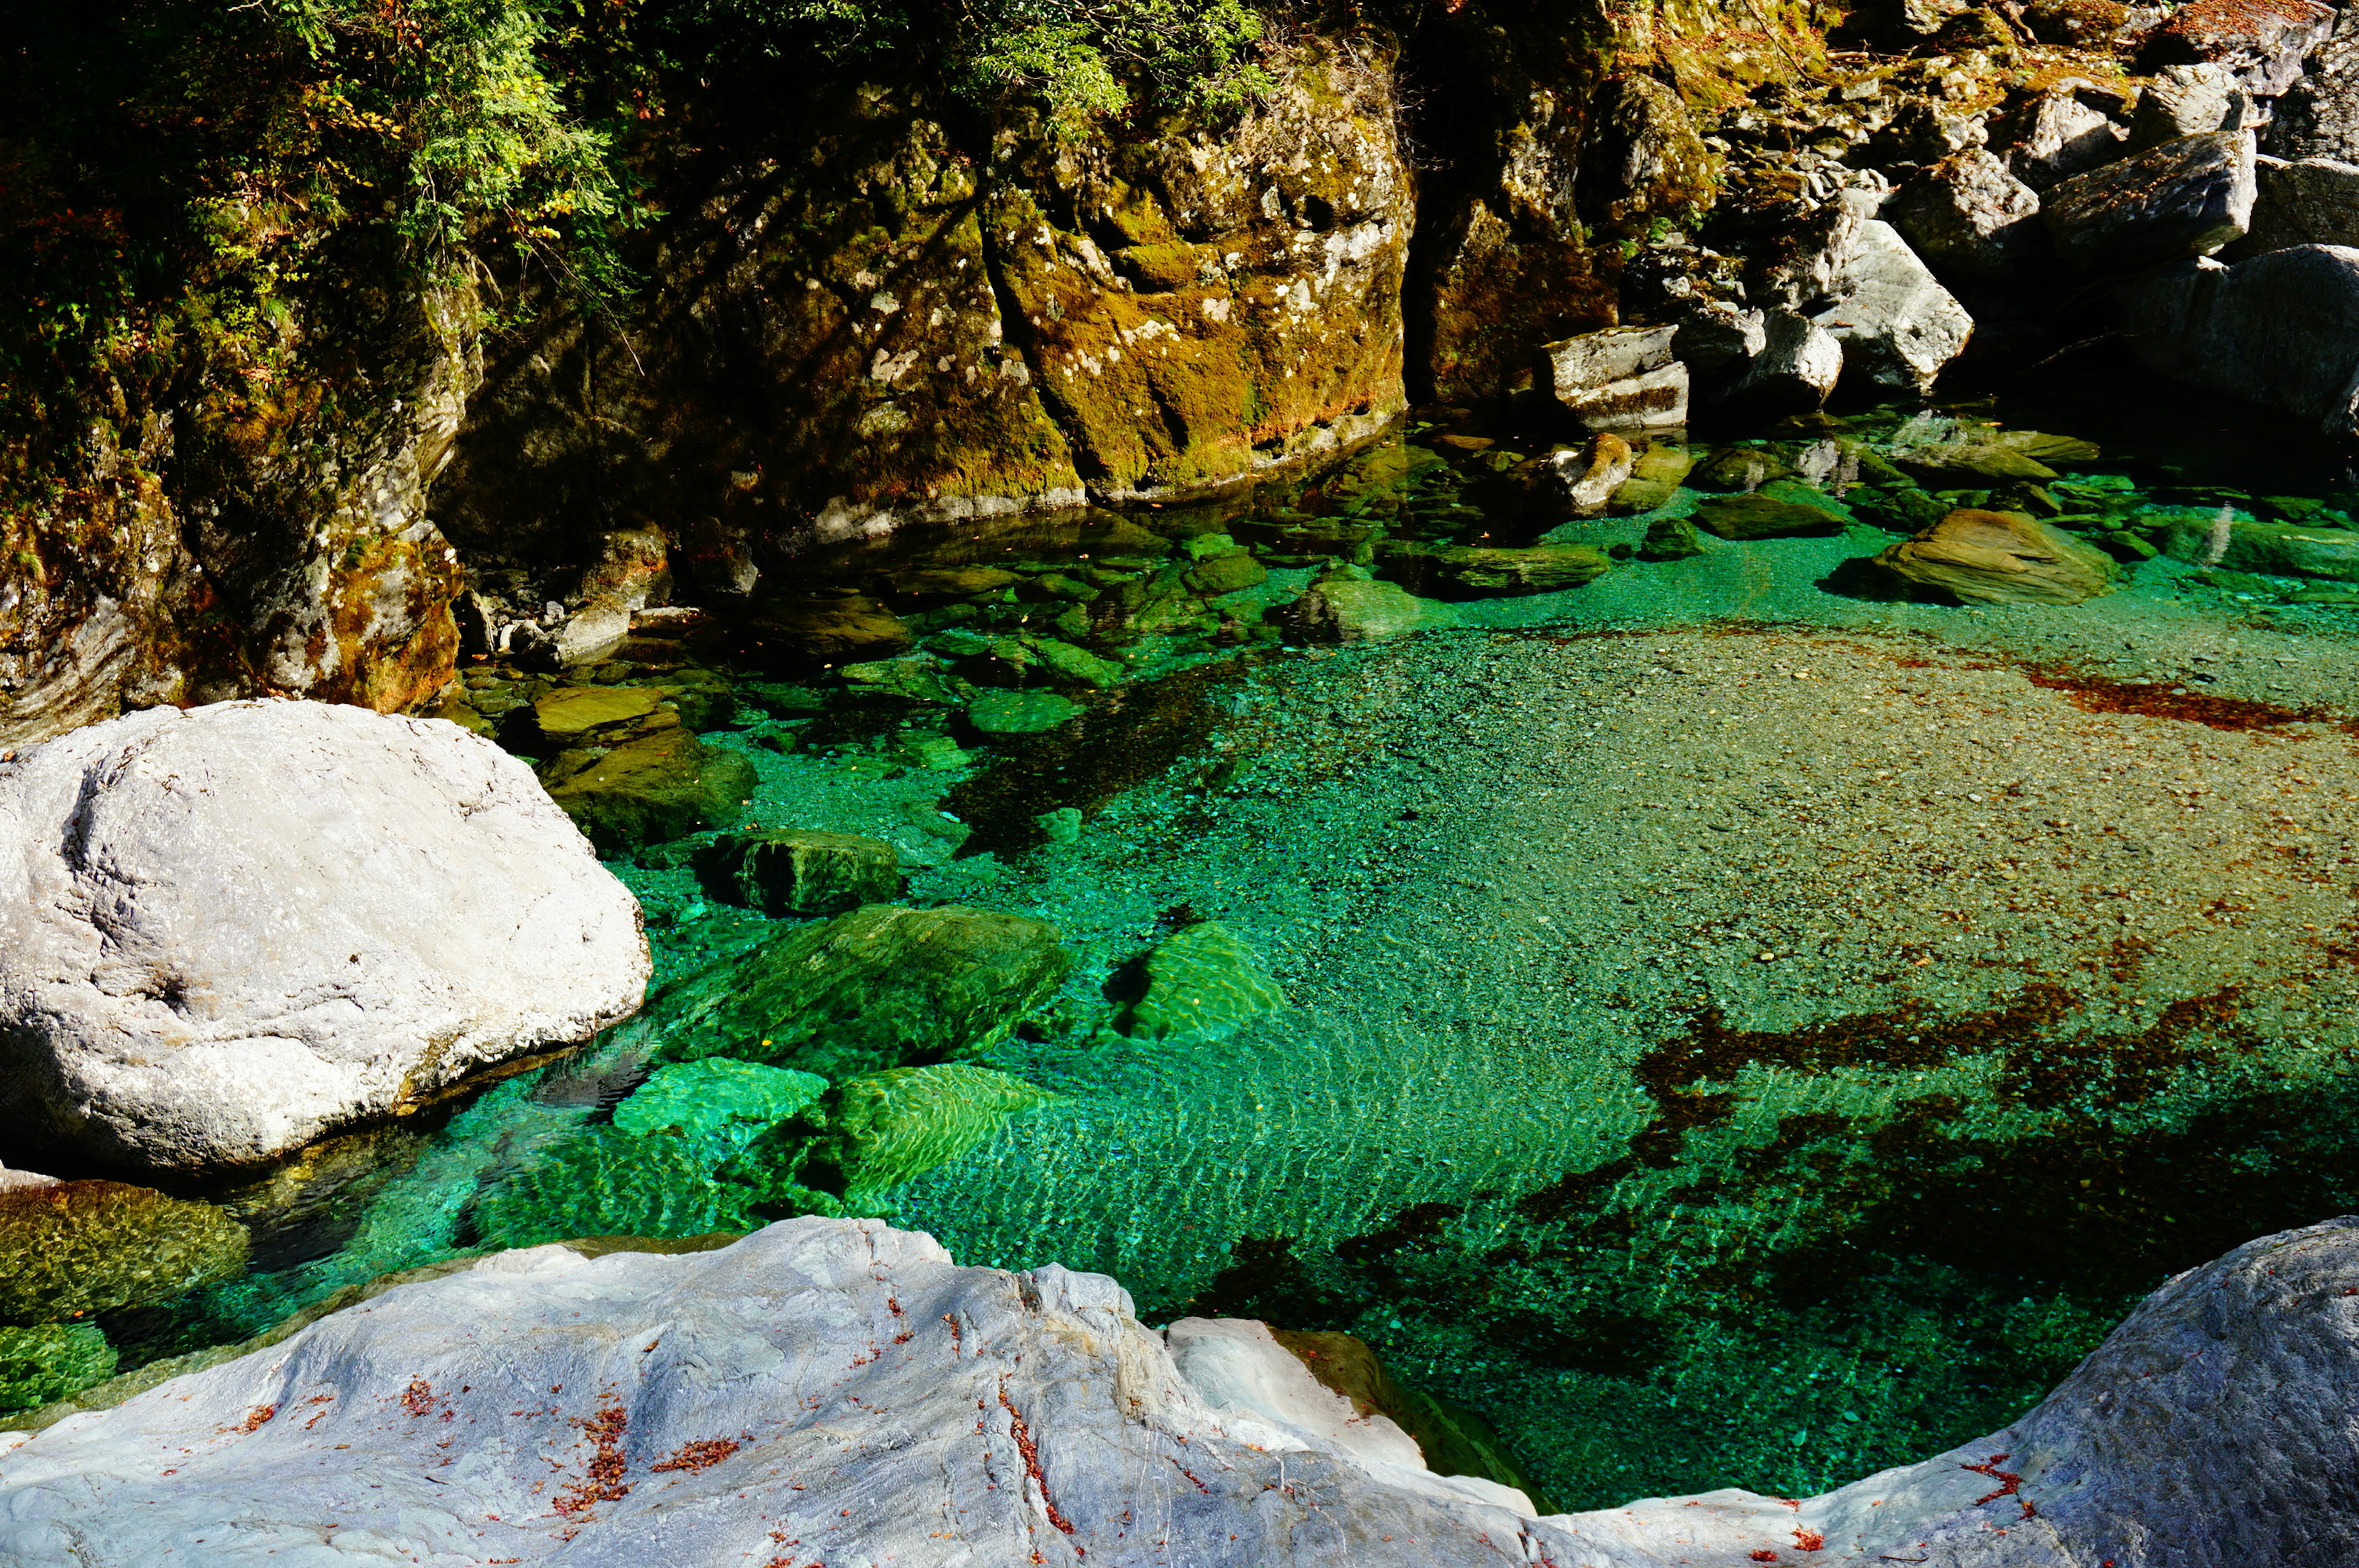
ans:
x=1647 y=1080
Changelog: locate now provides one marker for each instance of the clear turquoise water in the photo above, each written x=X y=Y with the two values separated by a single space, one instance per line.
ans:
x=1670 y=1216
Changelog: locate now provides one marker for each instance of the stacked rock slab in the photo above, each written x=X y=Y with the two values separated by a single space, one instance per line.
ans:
x=1623 y=379
x=844 y=1386
x=2279 y=330
x=2186 y=197
x=229 y=931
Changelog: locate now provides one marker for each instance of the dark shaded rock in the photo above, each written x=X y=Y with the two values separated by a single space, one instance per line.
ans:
x=1463 y=572
x=2187 y=101
x=2263 y=41
x=1622 y=379
x=1572 y=481
x=2314 y=202
x=2183 y=198
x=881 y=987
x=1759 y=516
x=1641 y=156
x=2319 y=115
x=2279 y=330
x=2075 y=24
x=2056 y=136
x=1734 y=469
x=1967 y=214
x=662 y=786
x=1970 y=463
x=2002 y=557
x=74 y=1247
x=788 y=870
x=1717 y=339
x=839 y=630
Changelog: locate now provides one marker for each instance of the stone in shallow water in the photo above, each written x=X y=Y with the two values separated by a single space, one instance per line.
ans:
x=71 y=1248
x=51 y=1361
x=793 y=870
x=2332 y=553
x=2002 y=557
x=880 y=987
x=1231 y=572
x=605 y=1182
x=1018 y=712
x=1201 y=983
x=1760 y=516
x=718 y=1097
x=885 y=1129
x=655 y=787
x=1670 y=540
x=571 y=714
x=1077 y=663
x=1347 y=604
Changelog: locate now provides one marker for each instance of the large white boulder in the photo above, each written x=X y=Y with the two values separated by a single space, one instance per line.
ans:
x=229 y=931
x=1896 y=323
x=836 y=1391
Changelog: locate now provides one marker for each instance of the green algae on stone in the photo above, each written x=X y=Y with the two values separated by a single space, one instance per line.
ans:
x=571 y=714
x=1018 y=712
x=83 y=1246
x=1202 y=984
x=1759 y=516
x=655 y=787
x=1232 y=571
x=2271 y=549
x=51 y=1361
x=1670 y=540
x=1462 y=571
x=604 y=1181
x=716 y=1099
x=1347 y=604
x=793 y=870
x=881 y=987
x=884 y=1129
x=1077 y=664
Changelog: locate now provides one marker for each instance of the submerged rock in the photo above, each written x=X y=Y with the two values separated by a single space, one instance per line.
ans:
x=229 y=931
x=716 y=1099
x=1467 y=571
x=1759 y=516
x=1670 y=540
x=2279 y=551
x=809 y=1379
x=1019 y=712
x=2279 y=330
x=880 y=987
x=656 y=786
x=1347 y=604
x=1655 y=477
x=2186 y=197
x=2002 y=557
x=1201 y=983
x=71 y=1248
x=605 y=1182
x=882 y=1130
x=793 y=870
x=51 y=1361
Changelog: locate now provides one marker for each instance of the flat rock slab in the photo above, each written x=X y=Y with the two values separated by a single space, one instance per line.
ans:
x=229 y=931
x=842 y=1392
x=2183 y=198
x=2002 y=557
x=1760 y=516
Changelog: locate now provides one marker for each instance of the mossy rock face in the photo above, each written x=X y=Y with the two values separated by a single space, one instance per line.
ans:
x=607 y=1182
x=1200 y=984
x=51 y=1361
x=877 y=1131
x=881 y=987
x=83 y=1246
x=789 y=871
x=658 y=786
x=716 y=1101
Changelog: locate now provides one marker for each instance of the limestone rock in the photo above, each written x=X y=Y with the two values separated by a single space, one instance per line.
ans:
x=881 y=987
x=716 y=1101
x=2263 y=42
x=270 y=919
x=1200 y=984
x=1897 y=324
x=2314 y=202
x=1968 y=215
x=1623 y=379
x=793 y=870
x=2279 y=330
x=656 y=786
x=1759 y=516
x=2002 y=557
x=2184 y=199
x=1797 y=365
x=881 y=1129
x=68 y=1249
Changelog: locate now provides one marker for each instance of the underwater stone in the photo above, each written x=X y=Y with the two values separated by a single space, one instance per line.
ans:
x=1079 y=663
x=571 y=714
x=1018 y=712
x=655 y=787
x=51 y=1361
x=881 y=987
x=1201 y=983
x=2183 y=198
x=884 y=1129
x=717 y=1099
x=2330 y=553
x=1655 y=478
x=604 y=1181
x=792 y=871
x=271 y=919
x=2002 y=557
x=1469 y=572
x=1738 y=469
x=1966 y=464
x=1229 y=572
x=1062 y=826
x=71 y=1248
x=1670 y=540
x=1347 y=604
x=1759 y=516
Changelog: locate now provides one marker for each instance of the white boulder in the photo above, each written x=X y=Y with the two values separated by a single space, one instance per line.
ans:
x=1896 y=323
x=228 y=931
